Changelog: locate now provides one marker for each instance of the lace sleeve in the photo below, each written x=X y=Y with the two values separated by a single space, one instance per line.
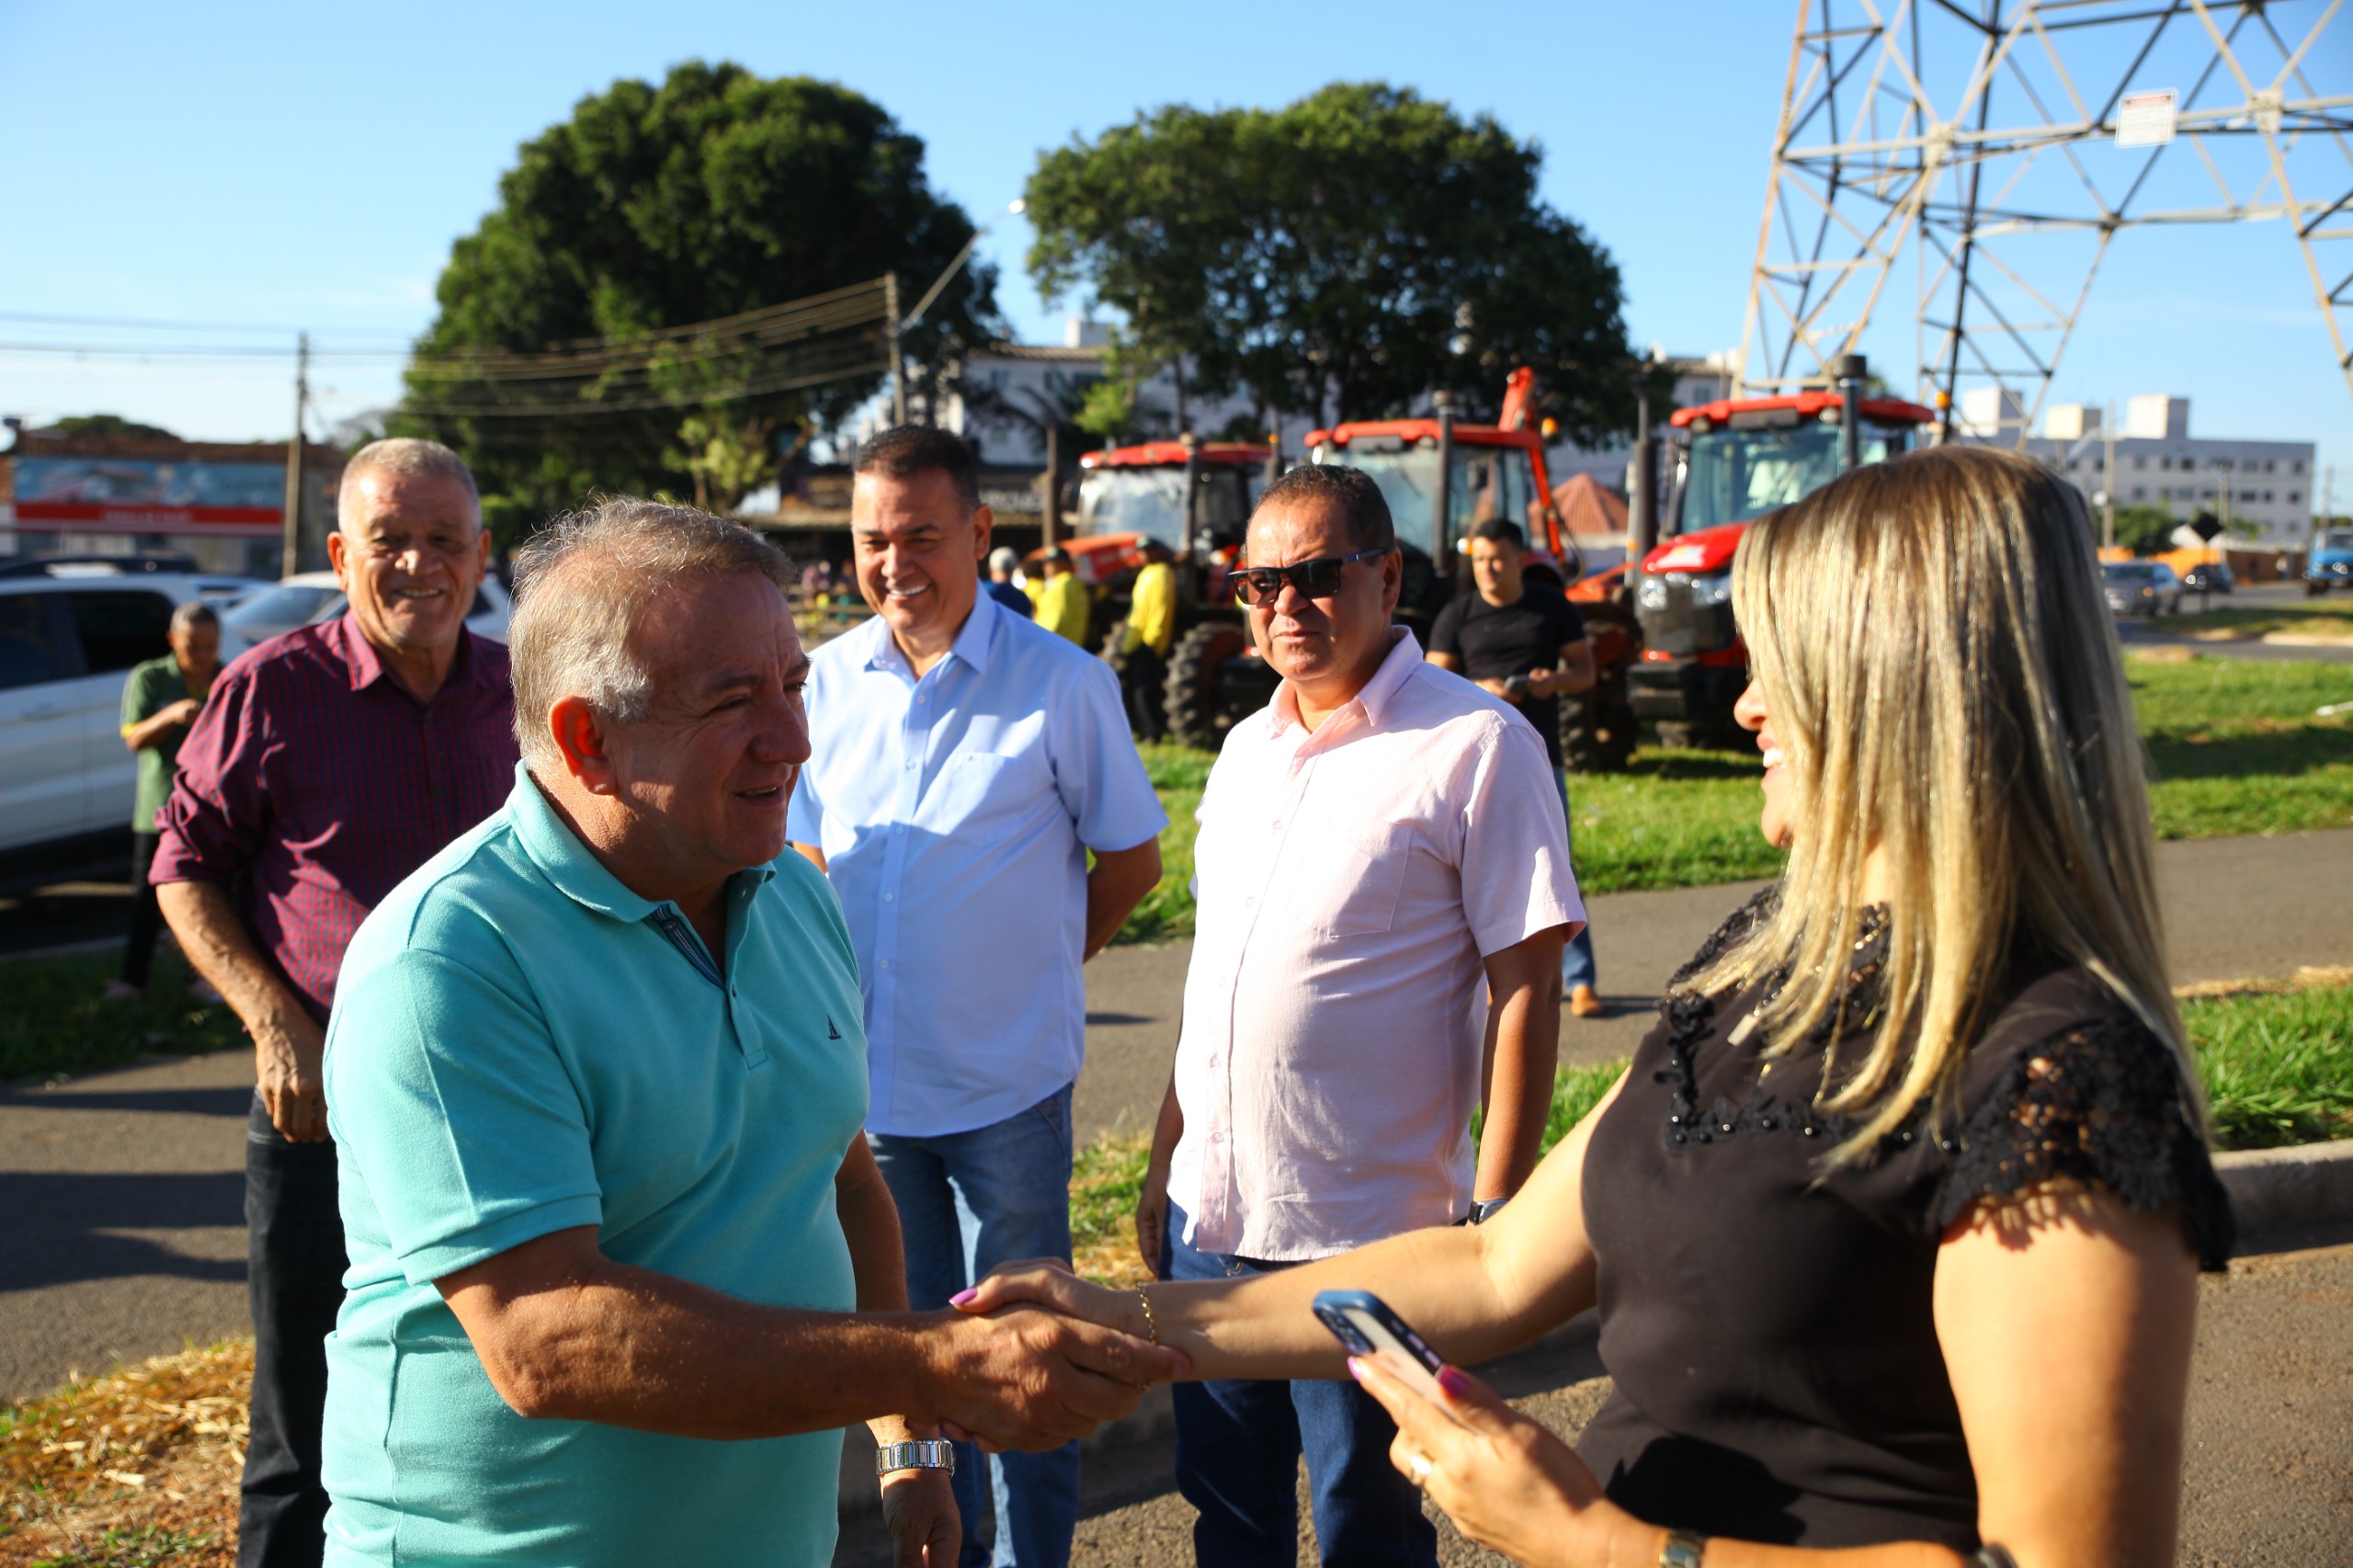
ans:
x=2101 y=1103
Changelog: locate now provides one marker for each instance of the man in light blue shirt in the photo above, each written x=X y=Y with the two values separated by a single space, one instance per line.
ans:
x=965 y=762
x=596 y=1078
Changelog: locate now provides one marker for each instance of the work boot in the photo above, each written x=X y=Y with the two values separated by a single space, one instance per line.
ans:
x=1583 y=1003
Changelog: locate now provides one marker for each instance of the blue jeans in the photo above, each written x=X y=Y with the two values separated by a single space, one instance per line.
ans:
x=1238 y=1446
x=1576 y=957
x=969 y=1201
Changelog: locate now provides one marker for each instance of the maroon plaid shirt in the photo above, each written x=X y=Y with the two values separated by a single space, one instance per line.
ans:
x=312 y=782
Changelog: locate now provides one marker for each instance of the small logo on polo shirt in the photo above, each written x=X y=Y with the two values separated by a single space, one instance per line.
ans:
x=831 y=1032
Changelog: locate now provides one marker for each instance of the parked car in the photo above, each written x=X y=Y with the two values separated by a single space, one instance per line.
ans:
x=2208 y=577
x=70 y=629
x=2331 y=563
x=311 y=596
x=2142 y=587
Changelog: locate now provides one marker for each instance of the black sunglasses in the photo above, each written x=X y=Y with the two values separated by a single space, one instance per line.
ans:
x=1314 y=579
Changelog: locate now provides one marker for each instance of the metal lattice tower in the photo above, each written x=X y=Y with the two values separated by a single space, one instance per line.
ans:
x=1984 y=135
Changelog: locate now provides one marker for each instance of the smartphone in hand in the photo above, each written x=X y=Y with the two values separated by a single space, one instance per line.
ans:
x=1364 y=1323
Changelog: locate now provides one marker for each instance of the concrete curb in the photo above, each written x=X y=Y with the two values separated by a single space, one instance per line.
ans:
x=2289 y=1189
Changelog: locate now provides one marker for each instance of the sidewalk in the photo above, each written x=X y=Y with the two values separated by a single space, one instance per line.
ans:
x=124 y=1191
x=2234 y=907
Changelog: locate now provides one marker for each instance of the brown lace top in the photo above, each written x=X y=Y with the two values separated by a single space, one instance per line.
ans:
x=1769 y=1327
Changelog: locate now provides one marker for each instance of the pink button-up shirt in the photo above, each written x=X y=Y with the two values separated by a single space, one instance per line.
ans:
x=1350 y=882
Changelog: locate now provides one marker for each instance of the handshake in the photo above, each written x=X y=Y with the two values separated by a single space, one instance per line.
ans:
x=1034 y=1356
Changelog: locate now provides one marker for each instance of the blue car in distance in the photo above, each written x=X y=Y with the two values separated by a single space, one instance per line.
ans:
x=2331 y=565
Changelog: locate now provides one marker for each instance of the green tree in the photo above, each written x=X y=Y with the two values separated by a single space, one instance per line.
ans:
x=717 y=192
x=107 y=425
x=2144 y=531
x=1338 y=257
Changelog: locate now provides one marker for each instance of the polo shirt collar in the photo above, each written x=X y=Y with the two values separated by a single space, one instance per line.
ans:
x=573 y=868
x=1405 y=656
x=972 y=645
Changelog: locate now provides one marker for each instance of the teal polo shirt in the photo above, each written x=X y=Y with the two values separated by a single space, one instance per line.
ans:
x=521 y=1045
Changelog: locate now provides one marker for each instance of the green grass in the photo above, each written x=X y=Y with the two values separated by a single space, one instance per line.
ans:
x=2233 y=745
x=2330 y=616
x=2278 y=1066
x=1166 y=912
x=122 y=1547
x=56 y=1018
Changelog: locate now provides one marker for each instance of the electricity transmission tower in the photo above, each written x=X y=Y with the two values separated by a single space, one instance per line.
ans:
x=2006 y=142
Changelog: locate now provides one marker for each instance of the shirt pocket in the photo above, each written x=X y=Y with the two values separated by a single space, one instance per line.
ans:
x=1353 y=879
x=978 y=791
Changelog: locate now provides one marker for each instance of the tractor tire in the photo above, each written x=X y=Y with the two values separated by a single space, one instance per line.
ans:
x=1195 y=696
x=1597 y=737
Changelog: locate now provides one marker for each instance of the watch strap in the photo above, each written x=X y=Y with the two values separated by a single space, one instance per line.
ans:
x=924 y=1453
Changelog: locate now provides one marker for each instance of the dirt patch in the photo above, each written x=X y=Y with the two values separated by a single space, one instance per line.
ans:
x=138 y=1467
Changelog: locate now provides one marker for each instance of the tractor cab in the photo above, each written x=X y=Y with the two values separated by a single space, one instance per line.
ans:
x=1733 y=459
x=1441 y=480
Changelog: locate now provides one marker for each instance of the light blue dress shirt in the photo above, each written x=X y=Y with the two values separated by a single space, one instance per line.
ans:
x=955 y=812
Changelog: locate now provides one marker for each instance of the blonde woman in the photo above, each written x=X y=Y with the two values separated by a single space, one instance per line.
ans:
x=1895 y=1219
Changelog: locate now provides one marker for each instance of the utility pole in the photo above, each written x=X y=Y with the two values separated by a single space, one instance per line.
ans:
x=290 y=530
x=2108 y=476
x=1053 y=514
x=898 y=361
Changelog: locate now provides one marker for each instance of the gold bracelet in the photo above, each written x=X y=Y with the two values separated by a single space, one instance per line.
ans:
x=1682 y=1549
x=1151 y=1324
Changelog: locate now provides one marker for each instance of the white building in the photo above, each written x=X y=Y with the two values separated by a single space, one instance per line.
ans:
x=1008 y=391
x=2263 y=490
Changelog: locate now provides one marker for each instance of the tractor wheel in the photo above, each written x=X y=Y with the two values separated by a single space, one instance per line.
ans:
x=1597 y=737
x=1195 y=694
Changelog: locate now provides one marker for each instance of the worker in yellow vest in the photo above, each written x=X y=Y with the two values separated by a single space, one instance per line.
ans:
x=1145 y=645
x=1062 y=605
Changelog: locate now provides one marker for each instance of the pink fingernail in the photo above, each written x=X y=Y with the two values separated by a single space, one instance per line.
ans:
x=1455 y=1382
x=961 y=1296
x=1356 y=1368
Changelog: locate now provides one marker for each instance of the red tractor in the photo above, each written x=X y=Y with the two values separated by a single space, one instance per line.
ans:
x=1733 y=459
x=1194 y=497
x=1441 y=479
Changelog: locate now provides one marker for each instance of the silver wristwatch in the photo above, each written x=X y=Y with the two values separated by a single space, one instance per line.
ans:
x=925 y=1453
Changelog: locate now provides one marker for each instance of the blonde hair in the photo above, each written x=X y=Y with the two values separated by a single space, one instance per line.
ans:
x=580 y=585
x=1940 y=670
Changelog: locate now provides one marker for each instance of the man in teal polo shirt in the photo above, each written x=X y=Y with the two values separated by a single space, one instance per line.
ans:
x=621 y=1264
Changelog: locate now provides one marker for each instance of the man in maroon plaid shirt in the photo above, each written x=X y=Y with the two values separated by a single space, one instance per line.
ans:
x=326 y=766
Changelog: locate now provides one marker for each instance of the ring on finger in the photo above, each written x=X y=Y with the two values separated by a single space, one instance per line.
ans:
x=1421 y=1467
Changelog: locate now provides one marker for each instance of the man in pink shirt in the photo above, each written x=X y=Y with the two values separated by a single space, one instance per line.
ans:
x=1383 y=882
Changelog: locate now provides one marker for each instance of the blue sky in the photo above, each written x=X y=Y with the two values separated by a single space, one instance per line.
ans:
x=275 y=166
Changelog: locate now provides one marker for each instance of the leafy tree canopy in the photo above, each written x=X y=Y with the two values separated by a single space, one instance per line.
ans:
x=715 y=193
x=107 y=425
x=1339 y=258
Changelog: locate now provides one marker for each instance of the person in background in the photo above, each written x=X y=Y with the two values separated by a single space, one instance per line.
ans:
x=1063 y=606
x=966 y=763
x=1385 y=887
x=328 y=763
x=1145 y=645
x=1895 y=1221
x=621 y=1264
x=1004 y=581
x=160 y=699
x=1525 y=643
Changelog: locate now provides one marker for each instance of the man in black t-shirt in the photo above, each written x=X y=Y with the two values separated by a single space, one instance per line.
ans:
x=1527 y=645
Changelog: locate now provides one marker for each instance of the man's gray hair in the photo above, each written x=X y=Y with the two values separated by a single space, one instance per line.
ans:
x=188 y=616
x=580 y=585
x=408 y=457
